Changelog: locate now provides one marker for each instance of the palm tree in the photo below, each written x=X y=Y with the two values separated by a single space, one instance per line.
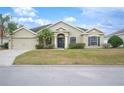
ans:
x=45 y=35
x=4 y=20
x=12 y=26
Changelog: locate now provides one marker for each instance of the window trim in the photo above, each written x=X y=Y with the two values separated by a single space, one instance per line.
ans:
x=91 y=39
x=72 y=37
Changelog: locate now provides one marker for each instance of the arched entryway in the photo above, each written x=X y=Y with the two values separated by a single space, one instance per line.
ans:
x=60 y=41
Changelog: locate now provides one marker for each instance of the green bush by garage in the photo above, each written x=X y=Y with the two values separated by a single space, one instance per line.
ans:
x=77 y=46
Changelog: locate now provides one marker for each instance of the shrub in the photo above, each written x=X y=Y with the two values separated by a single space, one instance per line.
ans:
x=4 y=46
x=115 y=41
x=39 y=46
x=76 y=45
x=106 y=45
x=50 y=46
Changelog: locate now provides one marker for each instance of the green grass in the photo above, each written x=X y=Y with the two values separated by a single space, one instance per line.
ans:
x=72 y=56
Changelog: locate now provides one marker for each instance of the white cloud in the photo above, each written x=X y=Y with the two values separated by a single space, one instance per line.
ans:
x=28 y=16
x=27 y=20
x=6 y=14
x=106 y=29
x=25 y=11
x=107 y=19
x=91 y=11
x=23 y=19
x=42 y=21
x=101 y=11
x=69 y=19
x=90 y=26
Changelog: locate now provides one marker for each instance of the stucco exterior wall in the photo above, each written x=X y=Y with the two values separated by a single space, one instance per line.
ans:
x=23 y=33
x=23 y=39
x=72 y=32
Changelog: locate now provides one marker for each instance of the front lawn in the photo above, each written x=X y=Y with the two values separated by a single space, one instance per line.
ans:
x=72 y=56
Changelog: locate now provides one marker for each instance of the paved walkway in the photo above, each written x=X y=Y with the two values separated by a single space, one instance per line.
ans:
x=62 y=75
x=7 y=56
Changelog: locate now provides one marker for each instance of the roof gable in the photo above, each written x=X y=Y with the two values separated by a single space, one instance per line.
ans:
x=81 y=30
x=88 y=31
x=25 y=29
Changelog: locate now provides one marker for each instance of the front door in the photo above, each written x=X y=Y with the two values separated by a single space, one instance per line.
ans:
x=61 y=42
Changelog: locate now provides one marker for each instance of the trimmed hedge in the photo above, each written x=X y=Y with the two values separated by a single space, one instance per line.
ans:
x=50 y=46
x=39 y=46
x=76 y=45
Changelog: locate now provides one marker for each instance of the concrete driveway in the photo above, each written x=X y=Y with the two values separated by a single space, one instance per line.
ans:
x=7 y=56
x=62 y=75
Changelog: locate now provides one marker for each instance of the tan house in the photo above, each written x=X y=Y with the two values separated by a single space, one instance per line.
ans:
x=64 y=34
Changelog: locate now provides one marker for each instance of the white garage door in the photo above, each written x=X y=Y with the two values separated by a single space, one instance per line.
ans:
x=24 y=43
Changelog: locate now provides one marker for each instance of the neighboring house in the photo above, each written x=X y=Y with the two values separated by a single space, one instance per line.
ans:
x=119 y=33
x=64 y=34
x=5 y=39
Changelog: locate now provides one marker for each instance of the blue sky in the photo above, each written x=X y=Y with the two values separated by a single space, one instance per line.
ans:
x=107 y=19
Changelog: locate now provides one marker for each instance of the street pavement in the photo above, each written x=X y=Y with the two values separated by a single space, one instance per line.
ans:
x=62 y=75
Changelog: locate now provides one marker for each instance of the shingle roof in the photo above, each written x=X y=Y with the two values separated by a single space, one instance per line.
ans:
x=82 y=28
x=44 y=26
x=119 y=32
x=39 y=28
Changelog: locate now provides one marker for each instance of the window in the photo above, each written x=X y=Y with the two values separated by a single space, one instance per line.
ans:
x=72 y=39
x=93 y=40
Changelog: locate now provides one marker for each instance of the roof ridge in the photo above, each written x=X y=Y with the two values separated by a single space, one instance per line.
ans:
x=35 y=29
x=81 y=28
x=118 y=32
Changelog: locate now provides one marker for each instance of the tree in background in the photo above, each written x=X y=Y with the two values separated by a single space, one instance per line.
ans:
x=115 y=41
x=4 y=20
x=12 y=26
x=20 y=25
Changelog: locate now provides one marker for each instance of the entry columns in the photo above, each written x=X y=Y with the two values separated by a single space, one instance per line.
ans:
x=66 y=41
x=55 y=41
